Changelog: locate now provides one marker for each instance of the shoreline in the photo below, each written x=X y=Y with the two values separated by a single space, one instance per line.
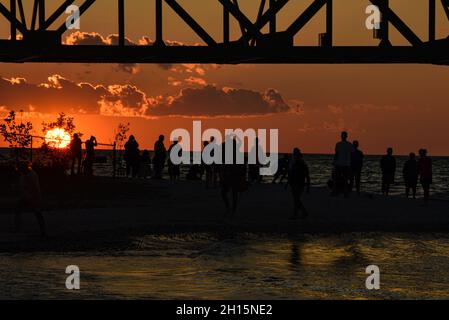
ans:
x=187 y=207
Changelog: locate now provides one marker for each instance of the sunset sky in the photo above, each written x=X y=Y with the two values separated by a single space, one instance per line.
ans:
x=403 y=106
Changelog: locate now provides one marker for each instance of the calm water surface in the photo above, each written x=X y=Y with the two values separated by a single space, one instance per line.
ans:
x=320 y=170
x=245 y=266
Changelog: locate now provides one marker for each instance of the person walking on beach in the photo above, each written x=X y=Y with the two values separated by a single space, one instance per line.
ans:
x=356 y=166
x=90 y=156
x=342 y=164
x=29 y=197
x=232 y=176
x=410 y=174
x=254 y=168
x=76 y=153
x=282 y=171
x=207 y=169
x=425 y=174
x=145 y=165
x=173 y=169
x=214 y=166
x=160 y=156
x=298 y=180
x=132 y=155
x=388 y=167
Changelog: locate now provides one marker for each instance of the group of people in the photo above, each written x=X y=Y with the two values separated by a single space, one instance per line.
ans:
x=235 y=178
x=140 y=164
x=76 y=155
x=348 y=165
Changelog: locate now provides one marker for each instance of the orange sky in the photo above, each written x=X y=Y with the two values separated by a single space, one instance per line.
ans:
x=404 y=106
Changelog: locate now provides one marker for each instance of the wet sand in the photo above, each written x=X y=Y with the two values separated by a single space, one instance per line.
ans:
x=161 y=207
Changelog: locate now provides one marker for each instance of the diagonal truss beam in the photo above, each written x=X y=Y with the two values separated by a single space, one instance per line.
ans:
x=269 y=15
x=191 y=22
x=34 y=16
x=22 y=13
x=7 y=14
x=241 y=18
x=445 y=4
x=57 y=13
x=305 y=17
x=86 y=5
x=400 y=25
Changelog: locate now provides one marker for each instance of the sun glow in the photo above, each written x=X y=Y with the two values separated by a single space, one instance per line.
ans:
x=57 y=138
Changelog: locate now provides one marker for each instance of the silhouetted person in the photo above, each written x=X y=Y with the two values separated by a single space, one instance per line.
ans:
x=425 y=173
x=356 y=166
x=29 y=197
x=254 y=168
x=90 y=156
x=160 y=156
x=76 y=153
x=215 y=168
x=145 y=164
x=282 y=171
x=410 y=174
x=342 y=164
x=132 y=155
x=207 y=169
x=388 y=167
x=173 y=169
x=232 y=175
x=298 y=180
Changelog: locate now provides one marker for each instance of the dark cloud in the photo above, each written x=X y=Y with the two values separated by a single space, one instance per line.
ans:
x=96 y=39
x=212 y=101
x=59 y=94
x=56 y=95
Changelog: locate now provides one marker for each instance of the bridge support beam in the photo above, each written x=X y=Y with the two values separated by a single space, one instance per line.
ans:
x=273 y=21
x=12 y=8
x=329 y=23
x=121 y=23
x=432 y=26
x=384 y=24
x=159 y=33
x=42 y=14
x=226 y=32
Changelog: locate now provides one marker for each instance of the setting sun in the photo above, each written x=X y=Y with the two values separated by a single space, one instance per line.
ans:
x=57 y=138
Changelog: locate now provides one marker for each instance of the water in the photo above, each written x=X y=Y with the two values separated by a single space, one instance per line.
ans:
x=321 y=167
x=244 y=266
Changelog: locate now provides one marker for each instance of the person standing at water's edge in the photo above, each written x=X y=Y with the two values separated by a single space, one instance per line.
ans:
x=232 y=175
x=145 y=165
x=425 y=174
x=282 y=172
x=410 y=174
x=160 y=156
x=174 y=169
x=29 y=197
x=132 y=157
x=388 y=167
x=90 y=156
x=76 y=153
x=298 y=180
x=342 y=164
x=356 y=166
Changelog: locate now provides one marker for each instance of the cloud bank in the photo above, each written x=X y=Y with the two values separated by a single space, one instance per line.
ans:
x=59 y=94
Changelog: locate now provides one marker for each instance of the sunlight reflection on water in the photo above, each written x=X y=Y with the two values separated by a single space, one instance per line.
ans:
x=248 y=266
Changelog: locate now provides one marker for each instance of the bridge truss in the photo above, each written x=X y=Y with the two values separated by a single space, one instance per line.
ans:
x=41 y=40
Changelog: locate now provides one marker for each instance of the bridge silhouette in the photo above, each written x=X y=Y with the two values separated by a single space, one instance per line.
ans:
x=41 y=41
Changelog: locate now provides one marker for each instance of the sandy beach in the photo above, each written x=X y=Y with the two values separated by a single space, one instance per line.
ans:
x=150 y=206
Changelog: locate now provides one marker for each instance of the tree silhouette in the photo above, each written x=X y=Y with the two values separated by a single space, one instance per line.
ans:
x=18 y=135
